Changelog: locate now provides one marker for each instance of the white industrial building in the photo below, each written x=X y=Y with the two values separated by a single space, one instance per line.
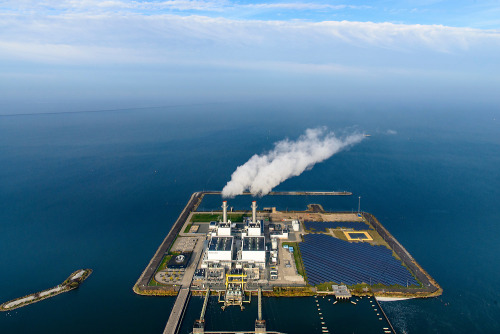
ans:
x=219 y=251
x=279 y=234
x=253 y=250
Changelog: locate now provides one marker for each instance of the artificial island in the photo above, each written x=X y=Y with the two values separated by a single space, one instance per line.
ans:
x=72 y=282
x=237 y=254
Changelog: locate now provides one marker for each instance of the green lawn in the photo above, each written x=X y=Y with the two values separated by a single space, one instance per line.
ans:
x=164 y=262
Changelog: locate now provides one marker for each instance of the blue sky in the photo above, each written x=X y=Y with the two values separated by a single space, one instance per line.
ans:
x=98 y=54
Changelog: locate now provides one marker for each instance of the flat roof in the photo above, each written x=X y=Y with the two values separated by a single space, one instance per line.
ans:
x=221 y=244
x=253 y=244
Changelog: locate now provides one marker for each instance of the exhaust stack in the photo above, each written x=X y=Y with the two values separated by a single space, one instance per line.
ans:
x=224 y=212
x=254 y=212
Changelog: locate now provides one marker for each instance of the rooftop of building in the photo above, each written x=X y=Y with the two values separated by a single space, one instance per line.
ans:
x=253 y=244
x=221 y=244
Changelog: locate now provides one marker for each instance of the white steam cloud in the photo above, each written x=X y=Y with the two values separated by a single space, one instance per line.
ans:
x=263 y=172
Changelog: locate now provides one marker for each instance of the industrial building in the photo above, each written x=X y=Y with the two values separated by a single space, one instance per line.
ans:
x=253 y=250
x=232 y=247
x=220 y=251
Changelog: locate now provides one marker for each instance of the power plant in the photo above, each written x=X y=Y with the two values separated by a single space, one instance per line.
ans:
x=243 y=254
x=236 y=245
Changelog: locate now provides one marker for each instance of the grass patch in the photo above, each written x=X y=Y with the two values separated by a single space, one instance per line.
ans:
x=208 y=217
x=186 y=230
x=298 y=258
x=153 y=282
x=327 y=286
x=163 y=263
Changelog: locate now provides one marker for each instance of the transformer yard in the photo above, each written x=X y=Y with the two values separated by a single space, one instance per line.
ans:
x=237 y=254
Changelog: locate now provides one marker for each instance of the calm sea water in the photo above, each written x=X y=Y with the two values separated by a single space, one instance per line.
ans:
x=101 y=190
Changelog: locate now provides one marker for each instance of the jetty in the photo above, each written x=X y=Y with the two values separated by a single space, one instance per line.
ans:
x=288 y=193
x=175 y=317
x=72 y=282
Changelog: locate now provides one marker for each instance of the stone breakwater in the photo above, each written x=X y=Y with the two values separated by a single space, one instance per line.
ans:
x=72 y=282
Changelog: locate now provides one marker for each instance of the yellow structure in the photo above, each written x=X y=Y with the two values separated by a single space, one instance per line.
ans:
x=236 y=278
x=366 y=237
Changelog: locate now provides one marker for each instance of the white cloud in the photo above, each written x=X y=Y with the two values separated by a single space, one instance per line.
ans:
x=359 y=48
x=303 y=6
x=120 y=28
x=179 y=5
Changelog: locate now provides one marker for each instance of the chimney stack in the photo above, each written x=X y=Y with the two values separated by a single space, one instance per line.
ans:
x=254 y=211
x=224 y=212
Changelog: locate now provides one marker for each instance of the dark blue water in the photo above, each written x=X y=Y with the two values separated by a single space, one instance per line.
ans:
x=101 y=190
x=291 y=315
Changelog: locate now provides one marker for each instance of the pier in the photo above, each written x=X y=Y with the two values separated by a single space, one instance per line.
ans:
x=199 y=325
x=260 y=325
x=175 y=318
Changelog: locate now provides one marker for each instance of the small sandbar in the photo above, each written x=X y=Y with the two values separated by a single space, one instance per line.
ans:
x=48 y=292
x=19 y=301
x=72 y=282
x=79 y=274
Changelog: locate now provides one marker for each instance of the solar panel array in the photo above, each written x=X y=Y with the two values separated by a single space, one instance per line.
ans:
x=327 y=259
x=322 y=226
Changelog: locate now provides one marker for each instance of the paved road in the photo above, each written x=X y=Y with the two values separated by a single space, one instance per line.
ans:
x=142 y=283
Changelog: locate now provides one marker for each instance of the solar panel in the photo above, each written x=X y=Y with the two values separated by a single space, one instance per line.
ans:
x=327 y=259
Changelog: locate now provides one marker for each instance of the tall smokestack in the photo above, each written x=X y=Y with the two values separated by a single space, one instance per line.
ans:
x=254 y=211
x=224 y=212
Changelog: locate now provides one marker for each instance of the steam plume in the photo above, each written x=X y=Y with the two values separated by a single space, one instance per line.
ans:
x=263 y=172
